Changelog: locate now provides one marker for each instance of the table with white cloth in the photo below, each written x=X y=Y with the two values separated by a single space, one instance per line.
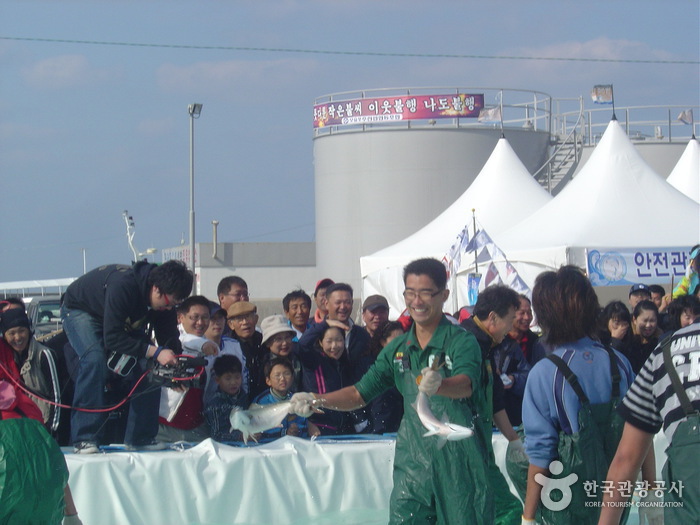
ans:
x=286 y=482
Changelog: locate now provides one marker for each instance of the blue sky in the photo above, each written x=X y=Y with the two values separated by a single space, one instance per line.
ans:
x=88 y=130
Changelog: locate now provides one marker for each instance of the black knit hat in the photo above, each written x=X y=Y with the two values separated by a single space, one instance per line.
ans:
x=13 y=318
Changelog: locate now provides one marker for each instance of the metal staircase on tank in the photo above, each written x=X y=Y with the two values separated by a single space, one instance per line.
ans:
x=566 y=148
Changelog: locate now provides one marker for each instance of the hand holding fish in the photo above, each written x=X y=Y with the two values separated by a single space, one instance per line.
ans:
x=430 y=381
x=304 y=404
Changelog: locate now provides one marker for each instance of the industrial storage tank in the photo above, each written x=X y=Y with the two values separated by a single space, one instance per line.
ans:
x=388 y=161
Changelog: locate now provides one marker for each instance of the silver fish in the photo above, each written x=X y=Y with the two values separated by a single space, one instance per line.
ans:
x=445 y=430
x=258 y=418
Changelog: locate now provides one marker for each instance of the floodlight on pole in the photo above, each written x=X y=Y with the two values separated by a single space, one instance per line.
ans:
x=195 y=111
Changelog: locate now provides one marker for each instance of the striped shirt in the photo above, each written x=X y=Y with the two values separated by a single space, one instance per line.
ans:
x=651 y=402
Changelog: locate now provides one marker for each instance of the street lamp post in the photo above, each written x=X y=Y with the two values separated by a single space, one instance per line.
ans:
x=195 y=111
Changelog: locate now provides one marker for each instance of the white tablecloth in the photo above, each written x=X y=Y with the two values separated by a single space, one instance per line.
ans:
x=290 y=481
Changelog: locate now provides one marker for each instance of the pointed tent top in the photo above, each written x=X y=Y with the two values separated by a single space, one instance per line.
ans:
x=502 y=194
x=600 y=205
x=685 y=176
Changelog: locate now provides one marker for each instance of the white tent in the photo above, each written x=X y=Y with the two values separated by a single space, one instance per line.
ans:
x=685 y=176
x=502 y=194
x=617 y=218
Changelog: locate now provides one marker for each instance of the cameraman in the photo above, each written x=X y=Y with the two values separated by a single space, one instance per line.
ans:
x=105 y=314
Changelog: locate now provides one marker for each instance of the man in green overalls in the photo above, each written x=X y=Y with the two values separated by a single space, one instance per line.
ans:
x=434 y=481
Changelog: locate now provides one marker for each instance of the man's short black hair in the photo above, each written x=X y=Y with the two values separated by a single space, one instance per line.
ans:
x=430 y=267
x=296 y=294
x=226 y=364
x=188 y=303
x=657 y=288
x=280 y=360
x=496 y=298
x=226 y=283
x=173 y=278
x=339 y=287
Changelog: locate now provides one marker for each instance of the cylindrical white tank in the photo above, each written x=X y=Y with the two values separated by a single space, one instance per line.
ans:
x=376 y=185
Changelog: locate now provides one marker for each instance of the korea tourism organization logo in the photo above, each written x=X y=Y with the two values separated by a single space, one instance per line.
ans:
x=557 y=492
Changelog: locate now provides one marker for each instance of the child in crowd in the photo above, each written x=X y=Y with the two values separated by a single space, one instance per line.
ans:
x=227 y=346
x=229 y=394
x=279 y=376
x=327 y=368
x=278 y=340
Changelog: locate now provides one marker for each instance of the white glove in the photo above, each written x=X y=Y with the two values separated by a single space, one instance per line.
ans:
x=525 y=521
x=516 y=448
x=653 y=514
x=430 y=382
x=302 y=404
x=71 y=520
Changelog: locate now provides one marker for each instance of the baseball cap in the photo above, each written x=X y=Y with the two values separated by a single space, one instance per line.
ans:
x=639 y=287
x=323 y=283
x=241 y=308
x=375 y=301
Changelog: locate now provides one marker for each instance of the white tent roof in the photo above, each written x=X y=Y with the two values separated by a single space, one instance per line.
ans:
x=616 y=200
x=685 y=177
x=502 y=194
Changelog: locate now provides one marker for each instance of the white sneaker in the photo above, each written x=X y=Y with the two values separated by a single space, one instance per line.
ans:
x=86 y=447
x=147 y=447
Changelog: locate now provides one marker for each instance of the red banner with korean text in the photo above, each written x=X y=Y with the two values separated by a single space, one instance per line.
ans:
x=388 y=109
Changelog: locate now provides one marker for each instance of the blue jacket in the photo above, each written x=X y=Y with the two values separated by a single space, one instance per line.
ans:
x=268 y=398
x=550 y=404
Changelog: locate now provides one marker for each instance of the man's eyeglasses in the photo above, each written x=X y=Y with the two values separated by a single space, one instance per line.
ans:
x=168 y=303
x=425 y=295
x=241 y=296
x=197 y=318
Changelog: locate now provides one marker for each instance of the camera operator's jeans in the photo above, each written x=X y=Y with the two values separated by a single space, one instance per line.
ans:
x=85 y=335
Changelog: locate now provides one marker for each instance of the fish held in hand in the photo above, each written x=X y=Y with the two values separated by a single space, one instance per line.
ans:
x=445 y=430
x=258 y=418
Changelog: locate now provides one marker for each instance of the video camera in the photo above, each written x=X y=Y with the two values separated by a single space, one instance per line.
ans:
x=187 y=372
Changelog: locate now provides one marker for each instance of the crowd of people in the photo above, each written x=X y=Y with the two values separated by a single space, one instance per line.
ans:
x=562 y=390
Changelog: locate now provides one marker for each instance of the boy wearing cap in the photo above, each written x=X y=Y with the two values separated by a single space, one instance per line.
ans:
x=638 y=292
x=242 y=319
x=375 y=312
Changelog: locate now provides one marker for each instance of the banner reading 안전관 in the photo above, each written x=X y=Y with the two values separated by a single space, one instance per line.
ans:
x=611 y=267
x=388 y=109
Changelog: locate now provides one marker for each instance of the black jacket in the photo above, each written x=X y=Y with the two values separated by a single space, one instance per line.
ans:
x=357 y=349
x=488 y=366
x=118 y=297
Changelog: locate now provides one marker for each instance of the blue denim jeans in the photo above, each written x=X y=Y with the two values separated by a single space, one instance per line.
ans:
x=85 y=334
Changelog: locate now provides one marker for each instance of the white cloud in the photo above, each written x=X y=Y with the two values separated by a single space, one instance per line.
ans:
x=233 y=75
x=602 y=48
x=64 y=71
